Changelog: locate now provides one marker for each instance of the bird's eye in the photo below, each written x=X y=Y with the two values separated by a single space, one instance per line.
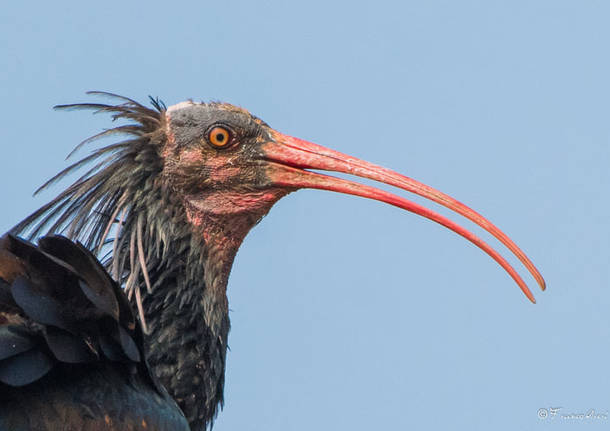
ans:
x=219 y=137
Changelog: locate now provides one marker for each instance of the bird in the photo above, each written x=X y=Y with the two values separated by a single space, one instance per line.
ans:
x=167 y=207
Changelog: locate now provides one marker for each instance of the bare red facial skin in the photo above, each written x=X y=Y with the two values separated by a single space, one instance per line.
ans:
x=289 y=157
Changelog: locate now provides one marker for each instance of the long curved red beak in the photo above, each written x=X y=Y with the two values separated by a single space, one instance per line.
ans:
x=290 y=156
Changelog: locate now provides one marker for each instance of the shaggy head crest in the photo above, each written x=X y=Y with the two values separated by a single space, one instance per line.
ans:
x=107 y=205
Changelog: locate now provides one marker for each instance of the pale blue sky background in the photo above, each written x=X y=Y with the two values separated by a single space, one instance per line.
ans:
x=346 y=313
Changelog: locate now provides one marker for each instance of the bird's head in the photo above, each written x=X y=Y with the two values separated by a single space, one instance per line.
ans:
x=221 y=169
x=231 y=167
x=214 y=157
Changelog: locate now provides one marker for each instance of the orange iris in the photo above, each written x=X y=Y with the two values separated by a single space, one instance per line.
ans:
x=219 y=136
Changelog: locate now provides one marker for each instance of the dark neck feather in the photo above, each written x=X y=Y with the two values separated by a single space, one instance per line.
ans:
x=186 y=344
x=186 y=310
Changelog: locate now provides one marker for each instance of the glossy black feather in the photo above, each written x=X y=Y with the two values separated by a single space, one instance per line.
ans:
x=70 y=348
x=14 y=341
x=94 y=279
x=69 y=359
x=25 y=368
x=40 y=307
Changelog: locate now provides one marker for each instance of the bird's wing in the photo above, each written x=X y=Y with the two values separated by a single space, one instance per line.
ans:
x=71 y=352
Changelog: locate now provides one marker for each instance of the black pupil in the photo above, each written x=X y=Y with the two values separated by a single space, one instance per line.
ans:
x=220 y=137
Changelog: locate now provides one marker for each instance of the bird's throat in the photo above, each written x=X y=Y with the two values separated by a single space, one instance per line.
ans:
x=222 y=234
x=223 y=221
x=188 y=313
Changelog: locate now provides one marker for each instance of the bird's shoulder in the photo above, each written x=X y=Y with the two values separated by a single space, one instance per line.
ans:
x=71 y=349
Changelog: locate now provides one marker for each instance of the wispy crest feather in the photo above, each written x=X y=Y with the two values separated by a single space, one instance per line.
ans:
x=111 y=193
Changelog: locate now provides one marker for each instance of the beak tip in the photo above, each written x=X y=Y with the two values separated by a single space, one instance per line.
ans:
x=529 y=294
